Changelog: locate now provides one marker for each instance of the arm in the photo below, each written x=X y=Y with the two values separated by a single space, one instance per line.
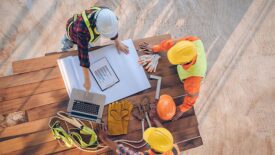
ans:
x=191 y=88
x=82 y=45
x=120 y=46
x=87 y=81
x=165 y=45
x=102 y=134
x=118 y=148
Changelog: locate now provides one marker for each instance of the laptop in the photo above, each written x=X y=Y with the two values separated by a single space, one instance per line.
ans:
x=86 y=106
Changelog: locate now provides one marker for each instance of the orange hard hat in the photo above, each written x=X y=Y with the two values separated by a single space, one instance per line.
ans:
x=166 y=107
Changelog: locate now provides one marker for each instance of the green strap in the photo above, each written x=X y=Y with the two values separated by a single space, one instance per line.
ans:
x=60 y=133
x=68 y=28
x=85 y=131
x=87 y=23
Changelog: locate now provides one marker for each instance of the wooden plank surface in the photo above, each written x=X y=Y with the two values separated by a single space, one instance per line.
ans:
x=31 y=77
x=187 y=133
x=28 y=102
x=51 y=109
x=25 y=141
x=45 y=148
x=55 y=96
x=45 y=94
x=188 y=124
x=24 y=128
x=49 y=61
x=31 y=89
x=48 y=72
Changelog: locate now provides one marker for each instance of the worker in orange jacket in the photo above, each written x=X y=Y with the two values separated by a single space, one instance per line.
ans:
x=189 y=56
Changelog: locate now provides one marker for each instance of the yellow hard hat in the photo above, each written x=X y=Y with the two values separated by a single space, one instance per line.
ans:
x=182 y=52
x=159 y=139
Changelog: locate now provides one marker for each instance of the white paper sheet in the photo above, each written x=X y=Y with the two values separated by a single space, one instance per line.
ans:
x=131 y=75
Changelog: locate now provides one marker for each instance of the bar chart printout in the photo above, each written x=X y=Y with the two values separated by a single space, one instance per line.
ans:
x=104 y=74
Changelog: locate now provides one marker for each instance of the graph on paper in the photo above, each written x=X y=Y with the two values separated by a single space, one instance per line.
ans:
x=104 y=74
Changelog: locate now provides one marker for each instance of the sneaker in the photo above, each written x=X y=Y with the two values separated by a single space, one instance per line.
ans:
x=67 y=44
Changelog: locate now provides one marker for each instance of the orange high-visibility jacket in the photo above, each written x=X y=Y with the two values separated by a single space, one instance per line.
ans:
x=192 y=84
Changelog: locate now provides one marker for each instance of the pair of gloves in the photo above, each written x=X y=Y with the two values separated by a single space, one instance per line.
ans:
x=118 y=117
x=151 y=58
x=149 y=61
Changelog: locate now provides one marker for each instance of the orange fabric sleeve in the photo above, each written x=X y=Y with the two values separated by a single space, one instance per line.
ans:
x=192 y=88
x=188 y=38
x=165 y=45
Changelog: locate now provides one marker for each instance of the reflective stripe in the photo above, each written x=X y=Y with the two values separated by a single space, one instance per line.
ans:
x=192 y=95
x=68 y=28
x=88 y=25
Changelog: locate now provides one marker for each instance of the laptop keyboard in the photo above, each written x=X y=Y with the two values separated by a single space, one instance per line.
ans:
x=85 y=107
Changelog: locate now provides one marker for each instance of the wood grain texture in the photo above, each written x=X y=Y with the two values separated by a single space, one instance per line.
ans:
x=25 y=141
x=187 y=124
x=45 y=96
x=24 y=128
x=31 y=89
x=29 y=102
x=27 y=78
x=60 y=103
x=47 y=110
x=24 y=66
x=45 y=148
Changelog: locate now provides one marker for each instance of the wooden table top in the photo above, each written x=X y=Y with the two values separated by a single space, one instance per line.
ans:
x=37 y=88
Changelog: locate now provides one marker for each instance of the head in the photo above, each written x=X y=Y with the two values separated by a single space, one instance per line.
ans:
x=183 y=52
x=106 y=23
x=166 y=107
x=159 y=139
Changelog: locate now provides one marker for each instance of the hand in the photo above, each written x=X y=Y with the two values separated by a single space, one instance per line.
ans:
x=87 y=82
x=145 y=47
x=101 y=131
x=87 y=86
x=150 y=61
x=121 y=47
x=179 y=113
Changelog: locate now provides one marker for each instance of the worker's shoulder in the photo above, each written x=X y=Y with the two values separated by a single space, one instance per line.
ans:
x=192 y=38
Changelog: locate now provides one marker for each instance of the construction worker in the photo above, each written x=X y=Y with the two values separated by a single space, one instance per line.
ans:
x=84 y=29
x=189 y=56
x=159 y=139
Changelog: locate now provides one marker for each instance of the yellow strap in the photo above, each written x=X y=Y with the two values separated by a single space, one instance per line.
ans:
x=88 y=25
x=68 y=28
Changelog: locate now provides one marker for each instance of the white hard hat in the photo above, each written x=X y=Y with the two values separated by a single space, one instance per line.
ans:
x=106 y=23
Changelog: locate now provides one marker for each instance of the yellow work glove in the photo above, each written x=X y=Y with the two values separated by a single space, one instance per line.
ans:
x=126 y=113
x=118 y=117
